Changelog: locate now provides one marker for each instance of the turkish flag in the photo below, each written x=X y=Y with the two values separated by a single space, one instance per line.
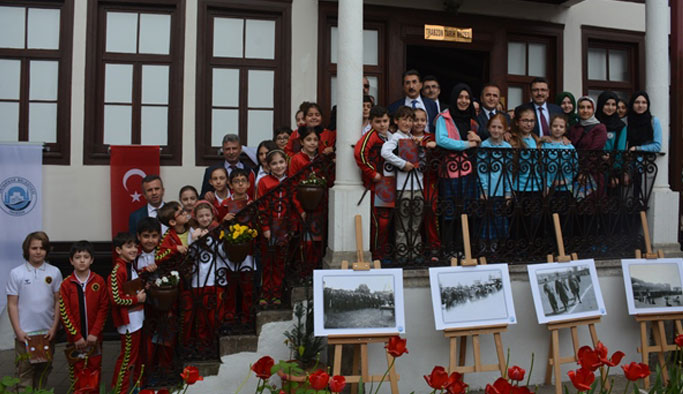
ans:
x=128 y=165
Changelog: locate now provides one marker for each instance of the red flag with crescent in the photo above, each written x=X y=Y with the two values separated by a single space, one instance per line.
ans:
x=128 y=165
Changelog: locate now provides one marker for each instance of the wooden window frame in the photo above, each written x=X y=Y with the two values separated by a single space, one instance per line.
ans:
x=632 y=41
x=553 y=70
x=95 y=151
x=280 y=12
x=58 y=152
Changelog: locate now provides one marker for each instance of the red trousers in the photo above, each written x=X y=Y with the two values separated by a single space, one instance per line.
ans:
x=379 y=230
x=202 y=312
x=273 y=256
x=127 y=369
x=431 y=196
x=85 y=375
x=241 y=282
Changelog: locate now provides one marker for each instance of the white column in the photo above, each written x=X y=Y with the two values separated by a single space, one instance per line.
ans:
x=663 y=213
x=348 y=187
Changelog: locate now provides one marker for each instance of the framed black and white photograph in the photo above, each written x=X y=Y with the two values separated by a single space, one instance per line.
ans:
x=347 y=302
x=471 y=296
x=653 y=286
x=564 y=291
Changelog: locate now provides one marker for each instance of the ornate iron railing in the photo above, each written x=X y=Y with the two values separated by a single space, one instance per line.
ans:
x=509 y=196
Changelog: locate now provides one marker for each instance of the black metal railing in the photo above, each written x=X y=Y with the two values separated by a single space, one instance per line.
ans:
x=509 y=196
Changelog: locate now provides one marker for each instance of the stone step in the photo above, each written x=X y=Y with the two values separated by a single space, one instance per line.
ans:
x=206 y=368
x=233 y=344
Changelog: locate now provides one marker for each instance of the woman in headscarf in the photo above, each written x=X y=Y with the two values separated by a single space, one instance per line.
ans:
x=456 y=130
x=644 y=130
x=607 y=115
x=567 y=102
x=588 y=133
x=622 y=109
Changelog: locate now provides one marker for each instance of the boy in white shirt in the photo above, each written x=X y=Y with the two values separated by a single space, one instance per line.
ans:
x=410 y=200
x=32 y=294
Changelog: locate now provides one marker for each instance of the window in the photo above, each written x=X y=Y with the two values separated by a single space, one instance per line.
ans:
x=528 y=57
x=134 y=78
x=242 y=76
x=35 y=75
x=612 y=61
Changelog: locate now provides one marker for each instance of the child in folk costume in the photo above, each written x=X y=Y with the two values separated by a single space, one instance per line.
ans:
x=175 y=240
x=275 y=215
x=369 y=160
x=127 y=312
x=427 y=143
x=83 y=308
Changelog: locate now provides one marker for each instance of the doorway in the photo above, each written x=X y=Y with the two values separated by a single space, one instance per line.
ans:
x=450 y=66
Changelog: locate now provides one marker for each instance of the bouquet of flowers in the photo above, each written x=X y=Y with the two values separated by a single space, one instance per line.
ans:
x=238 y=233
x=170 y=280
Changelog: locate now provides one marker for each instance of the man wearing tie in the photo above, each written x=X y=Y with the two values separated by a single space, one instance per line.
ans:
x=490 y=98
x=153 y=190
x=544 y=110
x=412 y=85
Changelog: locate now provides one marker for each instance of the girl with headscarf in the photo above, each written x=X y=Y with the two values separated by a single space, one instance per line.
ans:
x=622 y=109
x=567 y=102
x=644 y=130
x=608 y=116
x=456 y=130
x=588 y=133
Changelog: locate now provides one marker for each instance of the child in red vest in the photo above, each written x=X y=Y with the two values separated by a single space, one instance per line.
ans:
x=368 y=158
x=83 y=307
x=275 y=218
x=127 y=312
x=175 y=240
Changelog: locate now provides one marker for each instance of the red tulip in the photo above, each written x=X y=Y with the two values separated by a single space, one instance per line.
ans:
x=516 y=373
x=146 y=391
x=679 y=340
x=613 y=361
x=319 y=379
x=262 y=367
x=635 y=371
x=458 y=387
x=163 y=391
x=521 y=390
x=588 y=358
x=337 y=384
x=191 y=375
x=582 y=378
x=396 y=346
x=437 y=379
x=500 y=386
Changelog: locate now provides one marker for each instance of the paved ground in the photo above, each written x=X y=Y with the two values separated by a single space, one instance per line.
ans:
x=59 y=378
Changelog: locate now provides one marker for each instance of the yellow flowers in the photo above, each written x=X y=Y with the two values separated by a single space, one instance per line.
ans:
x=240 y=233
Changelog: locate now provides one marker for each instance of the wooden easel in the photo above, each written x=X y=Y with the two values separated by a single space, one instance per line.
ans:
x=458 y=365
x=360 y=343
x=555 y=360
x=656 y=321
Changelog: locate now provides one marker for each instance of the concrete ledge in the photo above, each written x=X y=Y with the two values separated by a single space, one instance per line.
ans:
x=206 y=368
x=265 y=317
x=238 y=343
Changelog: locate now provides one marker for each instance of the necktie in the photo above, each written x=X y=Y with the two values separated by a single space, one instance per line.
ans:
x=414 y=104
x=544 y=122
x=491 y=113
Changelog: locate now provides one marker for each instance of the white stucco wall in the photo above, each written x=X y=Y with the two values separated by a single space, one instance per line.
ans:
x=428 y=347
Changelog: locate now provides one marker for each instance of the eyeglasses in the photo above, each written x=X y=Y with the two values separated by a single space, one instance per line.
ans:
x=282 y=138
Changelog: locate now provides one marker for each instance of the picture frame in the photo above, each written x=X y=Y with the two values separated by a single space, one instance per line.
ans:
x=653 y=286
x=566 y=291
x=464 y=297
x=348 y=302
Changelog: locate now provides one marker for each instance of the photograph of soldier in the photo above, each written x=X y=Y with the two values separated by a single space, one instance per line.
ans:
x=358 y=302
x=656 y=285
x=472 y=296
x=566 y=290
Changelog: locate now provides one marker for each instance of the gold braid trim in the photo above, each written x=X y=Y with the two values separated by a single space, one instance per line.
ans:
x=115 y=289
x=68 y=325
x=158 y=256
x=72 y=376
x=124 y=363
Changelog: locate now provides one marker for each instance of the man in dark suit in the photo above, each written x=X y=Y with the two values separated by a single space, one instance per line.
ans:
x=234 y=158
x=153 y=190
x=431 y=89
x=412 y=85
x=544 y=110
x=490 y=98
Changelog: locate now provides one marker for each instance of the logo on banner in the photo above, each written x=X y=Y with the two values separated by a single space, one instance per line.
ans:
x=133 y=171
x=18 y=195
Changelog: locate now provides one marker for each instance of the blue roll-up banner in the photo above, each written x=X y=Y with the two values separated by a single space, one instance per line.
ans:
x=21 y=208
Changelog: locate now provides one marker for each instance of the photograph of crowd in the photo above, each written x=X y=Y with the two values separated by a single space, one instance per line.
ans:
x=653 y=286
x=565 y=291
x=471 y=296
x=355 y=300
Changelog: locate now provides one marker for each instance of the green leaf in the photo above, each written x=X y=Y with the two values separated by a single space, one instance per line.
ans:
x=9 y=381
